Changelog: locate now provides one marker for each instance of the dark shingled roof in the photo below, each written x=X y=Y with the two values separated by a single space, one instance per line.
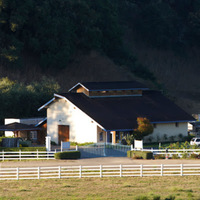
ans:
x=117 y=85
x=18 y=127
x=116 y=113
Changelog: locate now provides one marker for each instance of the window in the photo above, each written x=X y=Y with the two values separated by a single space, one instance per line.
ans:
x=33 y=135
x=101 y=136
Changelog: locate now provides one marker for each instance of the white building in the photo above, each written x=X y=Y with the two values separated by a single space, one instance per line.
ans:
x=107 y=111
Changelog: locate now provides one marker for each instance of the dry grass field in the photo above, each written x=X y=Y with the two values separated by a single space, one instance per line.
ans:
x=186 y=187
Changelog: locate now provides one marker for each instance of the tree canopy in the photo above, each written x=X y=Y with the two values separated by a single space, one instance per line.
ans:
x=53 y=30
x=18 y=100
x=144 y=128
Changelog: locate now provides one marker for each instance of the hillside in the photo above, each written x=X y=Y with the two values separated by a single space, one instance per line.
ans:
x=43 y=43
x=180 y=83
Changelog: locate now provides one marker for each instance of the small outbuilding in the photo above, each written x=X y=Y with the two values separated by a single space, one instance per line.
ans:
x=32 y=129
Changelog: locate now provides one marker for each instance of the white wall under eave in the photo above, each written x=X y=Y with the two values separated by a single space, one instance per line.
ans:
x=168 y=132
x=81 y=127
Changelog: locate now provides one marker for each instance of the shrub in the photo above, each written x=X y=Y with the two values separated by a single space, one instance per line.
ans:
x=137 y=157
x=68 y=155
x=26 y=143
x=140 y=154
x=175 y=156
x=185 y=155
x=159 y=156
x=194 y=156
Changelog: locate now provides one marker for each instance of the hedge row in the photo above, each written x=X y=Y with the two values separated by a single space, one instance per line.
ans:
x=23 y=148
x=140 y=154
x=68 y=155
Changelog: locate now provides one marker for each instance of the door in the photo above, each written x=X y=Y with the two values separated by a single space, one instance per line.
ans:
x=63 y=133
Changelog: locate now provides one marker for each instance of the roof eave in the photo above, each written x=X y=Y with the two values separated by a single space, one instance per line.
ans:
x=76 y=86
x=119 y=89
x=46 y=104
x=165 y=122
x=63 y=97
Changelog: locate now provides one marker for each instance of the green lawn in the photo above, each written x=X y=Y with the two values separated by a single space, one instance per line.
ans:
x=187 y=188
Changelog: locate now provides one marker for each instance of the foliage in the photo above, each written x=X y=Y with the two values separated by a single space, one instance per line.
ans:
x=194 y=156
x=53 y=31
x=159 y=156
x=23 y=148
x=164 y=24
x=177 y=145
x=128 y=140
x=18 y=100
x=68 y=155
x=184 y=155
x=140 y=154
x=175 y=156
x=144 y=128
x=81 y=144
x=24 y=143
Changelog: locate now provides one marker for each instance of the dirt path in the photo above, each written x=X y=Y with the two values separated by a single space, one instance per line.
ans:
x=94 y=161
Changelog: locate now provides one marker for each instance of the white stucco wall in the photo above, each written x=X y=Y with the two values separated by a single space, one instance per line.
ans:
x=81 y=127
x=165 y=132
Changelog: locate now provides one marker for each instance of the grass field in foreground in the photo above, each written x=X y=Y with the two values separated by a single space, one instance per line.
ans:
x=186 y=187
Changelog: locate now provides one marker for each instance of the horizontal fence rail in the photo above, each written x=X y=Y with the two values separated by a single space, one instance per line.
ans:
x=28 y=155
x=25 y=155
x=103 y=150
x=99 y=171
x=170 y=152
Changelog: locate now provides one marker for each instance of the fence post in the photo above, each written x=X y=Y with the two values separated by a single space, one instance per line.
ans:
x=101 y=175
x=76 y=147
x=141 y=170
x=59 y=172
x=20 y=155
x=104 y=149
x=55 y=151
x=161 y=169
x=3 y=155
x=38 y=172
x=80 y=171
x=131 y=147
x=61 y=147
x=37 y=154
x=17 y=173
x=120 y=168
x=181 y=165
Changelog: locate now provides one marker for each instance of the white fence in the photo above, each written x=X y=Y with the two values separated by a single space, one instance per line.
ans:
x=91 y=151
x=170 y=152
x=24 y=155
x=99 y=171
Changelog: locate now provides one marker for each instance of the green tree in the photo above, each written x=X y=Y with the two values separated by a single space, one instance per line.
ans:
x=144 y=128
x=18 y=100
